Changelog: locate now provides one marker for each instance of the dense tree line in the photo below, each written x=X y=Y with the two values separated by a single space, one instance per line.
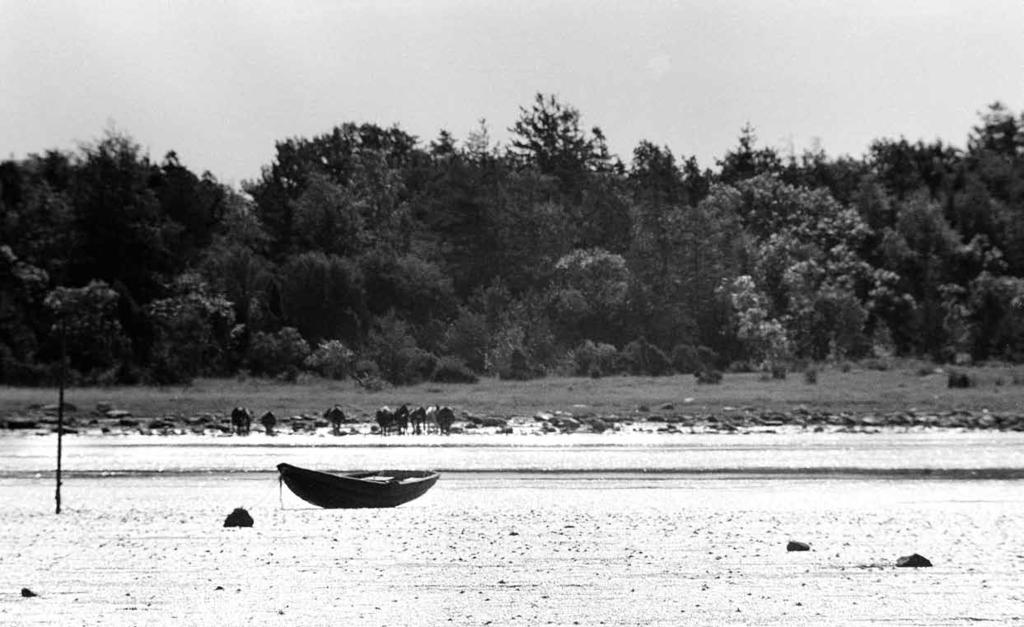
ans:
x=365 y=252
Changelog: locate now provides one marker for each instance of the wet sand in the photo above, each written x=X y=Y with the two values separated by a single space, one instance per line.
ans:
x=504 y=547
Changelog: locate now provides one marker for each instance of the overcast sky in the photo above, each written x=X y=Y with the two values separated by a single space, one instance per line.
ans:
x=219 y=82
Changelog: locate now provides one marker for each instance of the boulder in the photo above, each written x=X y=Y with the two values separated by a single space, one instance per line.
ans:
x=793 y=545
x=566 y=423
x=597 y=425
x=22 y=423
x=489 y=421
x=25 y=592
x=238 y=518
x=913 y=561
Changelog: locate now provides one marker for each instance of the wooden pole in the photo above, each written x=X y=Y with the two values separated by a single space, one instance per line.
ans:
x=60 y=413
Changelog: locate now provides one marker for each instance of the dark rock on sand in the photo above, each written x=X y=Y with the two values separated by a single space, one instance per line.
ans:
x=22 y=423
x=913 y=561
x=793 y=545
x=25 y=592
x=565 y=423
x=489 y=421
x=596 y=425
x=299 y=425
x=238 y=518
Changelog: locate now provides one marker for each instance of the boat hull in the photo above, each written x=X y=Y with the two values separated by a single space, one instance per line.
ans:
x=357 y=490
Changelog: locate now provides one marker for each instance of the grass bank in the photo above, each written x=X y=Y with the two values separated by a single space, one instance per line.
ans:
x=997 y=388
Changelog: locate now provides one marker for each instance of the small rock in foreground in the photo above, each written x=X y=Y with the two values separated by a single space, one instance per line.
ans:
x=238 y=518
x=793 y=545
x=25 y=592
x=913 y=561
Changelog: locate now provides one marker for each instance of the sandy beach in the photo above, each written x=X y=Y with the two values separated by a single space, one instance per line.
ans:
x=677 y=530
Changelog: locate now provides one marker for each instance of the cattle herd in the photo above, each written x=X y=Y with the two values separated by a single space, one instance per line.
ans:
x=399 y=421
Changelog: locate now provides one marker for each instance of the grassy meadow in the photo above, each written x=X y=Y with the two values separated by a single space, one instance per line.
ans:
x=907 y=385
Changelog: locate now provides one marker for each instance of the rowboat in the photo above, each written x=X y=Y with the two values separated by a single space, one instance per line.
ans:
x=378 y=488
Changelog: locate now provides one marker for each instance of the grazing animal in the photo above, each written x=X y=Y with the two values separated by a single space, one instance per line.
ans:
x=337 y=416
x=269 y=421
x=418 y=418
x=432 y=419
x=445 y=418
x=402 y=419
x=385 y=419
x=241 y=420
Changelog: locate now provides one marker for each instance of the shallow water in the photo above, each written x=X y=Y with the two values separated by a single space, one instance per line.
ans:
x=754 y=452
x=695 y=542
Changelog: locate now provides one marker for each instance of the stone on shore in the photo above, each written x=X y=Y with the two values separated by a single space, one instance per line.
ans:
x=22 y=423
x=238 y=518
x=913 y=561
x=25 y=592
x=793 y=545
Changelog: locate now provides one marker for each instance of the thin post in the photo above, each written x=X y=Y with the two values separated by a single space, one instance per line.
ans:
x=60 y=412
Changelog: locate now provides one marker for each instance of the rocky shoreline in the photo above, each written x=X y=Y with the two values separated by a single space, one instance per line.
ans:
x=104 y=419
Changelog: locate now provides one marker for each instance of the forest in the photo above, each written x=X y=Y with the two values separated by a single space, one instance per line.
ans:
x=368 y=253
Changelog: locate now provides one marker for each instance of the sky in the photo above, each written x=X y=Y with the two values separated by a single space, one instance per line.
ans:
x=220 y=81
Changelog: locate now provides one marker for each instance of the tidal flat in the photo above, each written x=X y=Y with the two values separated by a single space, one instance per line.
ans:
x=560 y=530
